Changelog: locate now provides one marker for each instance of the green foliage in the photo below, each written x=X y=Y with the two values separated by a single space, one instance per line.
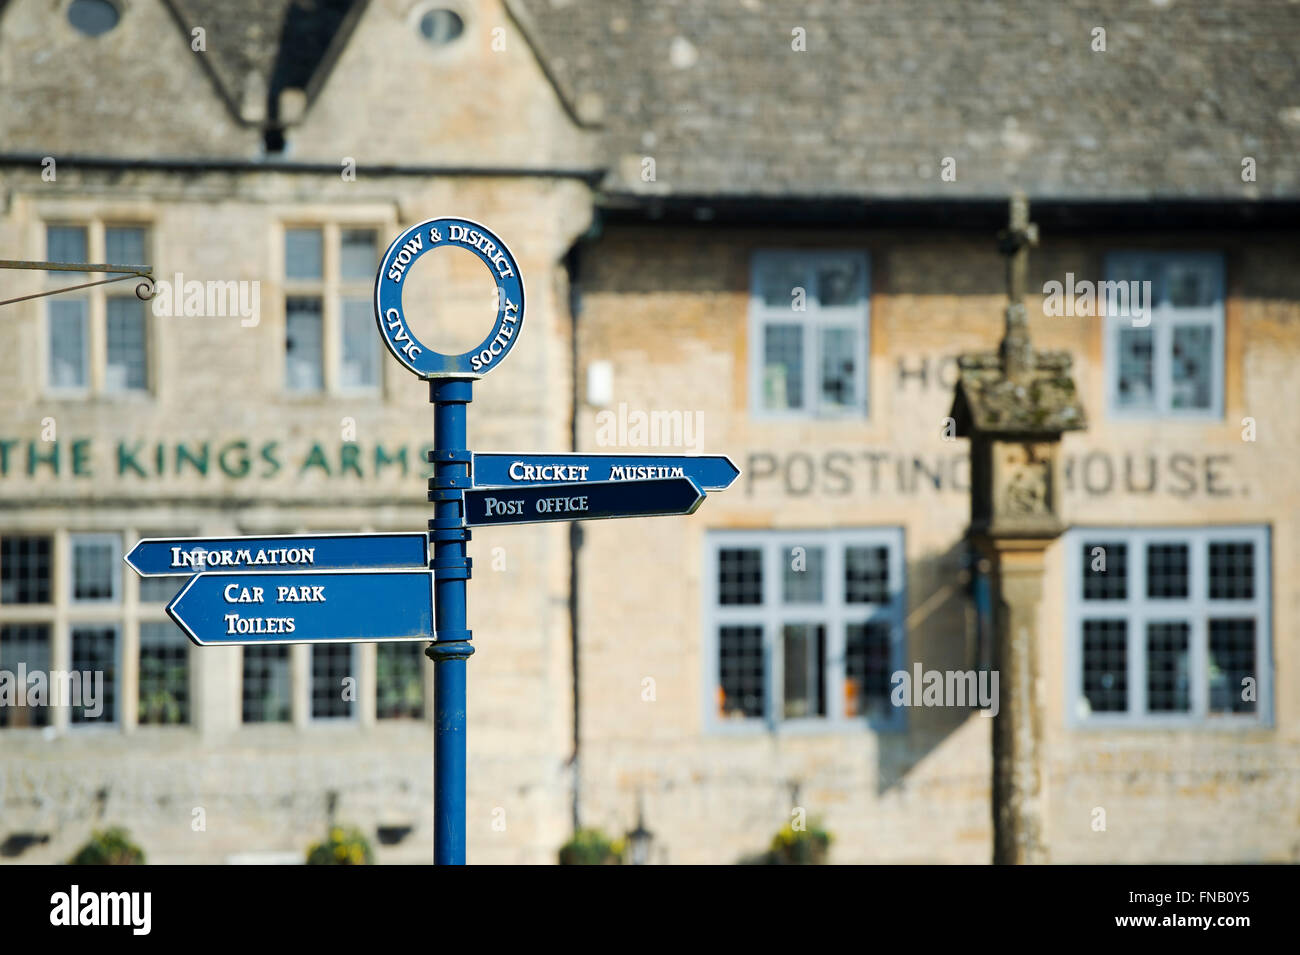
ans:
x=343 y=846
x=792 y=846
x=110 y=847
x=591 y=847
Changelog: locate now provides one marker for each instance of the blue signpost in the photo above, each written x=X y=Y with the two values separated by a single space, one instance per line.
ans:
x=593 y=501
x=242 y=608
x=165 y=557
x=711 y=472
x=363 y=587
x=451 y=379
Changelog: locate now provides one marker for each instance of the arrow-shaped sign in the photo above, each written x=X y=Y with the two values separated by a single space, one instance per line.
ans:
x=711 y=472
x=162 y=557
x=590 y=501
x=245 y=609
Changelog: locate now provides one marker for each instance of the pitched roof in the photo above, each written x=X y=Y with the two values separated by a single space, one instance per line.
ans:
x=257 y=48
x=1012 y=90
x=1016 y=93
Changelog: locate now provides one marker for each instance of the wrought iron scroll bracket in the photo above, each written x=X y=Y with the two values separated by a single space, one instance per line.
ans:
x=144 y=291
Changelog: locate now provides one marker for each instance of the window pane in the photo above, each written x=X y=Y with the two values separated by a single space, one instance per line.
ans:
x=1105 y=665
x=24 y=570
x=1232 y=661
x=1192 y=384
x=333 y=684
x=25 y=647
x=1168 y=668
x=866 y=575
x=160 y=590
x=1129 y=274
x=780 y=281
x=740 y=672
x=67 y=345
x=94 y=563
x=740 y=575
x=399 y=680
x=782 y=366
x=65 y=243
x=1136 y=369
x=1232 y=570
x=1189 y=285
x=266 y=685
x=1105 y=570
x=126 y=345
x=803 y=574
x=124 y=245
x=302 y=254
x=839 y=360
x=1167 y=570
x=94 y=658
x=839 y=283
x=302 y=346
x=164 y=674
x=805 y=670
x=358 y=258
x=866 y=669
x=360 y=351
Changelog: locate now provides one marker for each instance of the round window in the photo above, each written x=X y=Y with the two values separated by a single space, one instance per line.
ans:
x=441 y=26
x=93 y=17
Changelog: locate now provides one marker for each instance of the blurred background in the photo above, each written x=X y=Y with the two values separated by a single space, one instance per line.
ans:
x=755 y=228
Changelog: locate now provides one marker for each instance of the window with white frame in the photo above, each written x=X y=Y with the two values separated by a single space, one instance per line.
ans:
x=56 y=576
x=330 y=338
x=24 y=650
x=95 y=657
x=95 y=579
x=1164 y=358
x=803 y=626
x=333 y=681
x=26 y=634
x=399 y=680
x=809 y=333
x=97 y=339
x=164 y=666
x=96 y=568
x=1168 y=626
x=267 y=685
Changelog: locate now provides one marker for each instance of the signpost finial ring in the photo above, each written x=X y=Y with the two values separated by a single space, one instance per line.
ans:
x=391 y=318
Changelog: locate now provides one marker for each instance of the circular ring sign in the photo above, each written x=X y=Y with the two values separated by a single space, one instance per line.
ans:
x=396 y=265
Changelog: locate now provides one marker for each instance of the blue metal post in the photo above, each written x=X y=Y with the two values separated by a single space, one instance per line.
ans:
x=451 y=647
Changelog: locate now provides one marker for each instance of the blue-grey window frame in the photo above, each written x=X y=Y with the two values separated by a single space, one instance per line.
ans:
x=1162 y=330
x=1138 y=610
x=773 y=613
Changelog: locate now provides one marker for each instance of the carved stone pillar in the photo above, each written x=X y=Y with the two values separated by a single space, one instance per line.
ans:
x=1014 y=405
x=1019 y=804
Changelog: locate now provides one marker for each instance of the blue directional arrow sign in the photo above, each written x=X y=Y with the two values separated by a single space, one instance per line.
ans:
x=164 y=557
x=247 y=609
x=711 y=472
x=590 y=501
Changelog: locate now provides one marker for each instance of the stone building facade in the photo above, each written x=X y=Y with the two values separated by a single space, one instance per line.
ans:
x=731 y=245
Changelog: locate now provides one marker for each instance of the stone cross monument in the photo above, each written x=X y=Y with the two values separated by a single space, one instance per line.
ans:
x=1014 y=405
